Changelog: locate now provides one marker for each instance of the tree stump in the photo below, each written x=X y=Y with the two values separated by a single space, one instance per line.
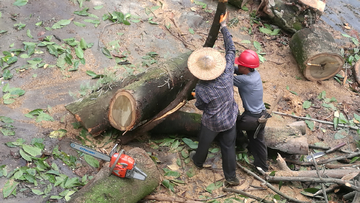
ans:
x=105 y=188
x=141 y=100
x=316 y=53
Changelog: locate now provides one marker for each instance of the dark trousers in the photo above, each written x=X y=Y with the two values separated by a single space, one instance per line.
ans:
x=249 y=122
x=227 y=144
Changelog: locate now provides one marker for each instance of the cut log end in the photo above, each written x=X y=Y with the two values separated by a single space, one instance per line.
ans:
x=122 y=111
x=323 y=66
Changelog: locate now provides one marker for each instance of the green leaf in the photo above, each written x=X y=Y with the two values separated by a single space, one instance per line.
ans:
x=175 y=145
x=265 y=30
x=357 y=117
x=28 y=33
x=168 y=185
x=9 y=187
x=191 y=31
x=172 y=173
x=5 y=119
x=79 y=24
x=341 y=134
x=214 y=186
x=24 y=155
x=91 y=161
x=275 y=32
x=37 y=192
x=79 y=52
x=33 y=151
x=61 y=24
x=72 y=182
x=98 y=7
x=342 y=119
x=190 y=143
x=310 y=124
x=257 y=46
x=20 y=2
x=306 y=104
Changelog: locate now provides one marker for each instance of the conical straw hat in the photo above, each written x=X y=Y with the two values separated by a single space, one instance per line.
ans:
x=206 y=63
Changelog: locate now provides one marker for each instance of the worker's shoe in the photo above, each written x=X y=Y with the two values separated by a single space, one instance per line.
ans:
x=232 y=182
x=191 y=155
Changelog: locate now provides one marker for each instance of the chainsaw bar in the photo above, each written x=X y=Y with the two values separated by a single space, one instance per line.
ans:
x=90 y=152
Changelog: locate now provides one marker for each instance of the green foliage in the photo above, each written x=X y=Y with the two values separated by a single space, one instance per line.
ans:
x=213 y=186
x=352 y=54
x=5 y=126
x=40 y=115
x=149 y=59
x=10 y=94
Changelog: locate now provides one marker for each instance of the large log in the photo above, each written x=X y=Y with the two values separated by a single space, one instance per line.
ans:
x=285 y=139
x=291 y=15
x=141 y=100
x=91 y=111
x=105 y=188
x=316 y=53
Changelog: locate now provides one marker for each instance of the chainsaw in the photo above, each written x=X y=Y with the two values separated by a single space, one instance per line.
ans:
x=121 y=165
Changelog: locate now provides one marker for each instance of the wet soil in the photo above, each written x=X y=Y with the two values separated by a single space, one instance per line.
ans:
x=180 y=26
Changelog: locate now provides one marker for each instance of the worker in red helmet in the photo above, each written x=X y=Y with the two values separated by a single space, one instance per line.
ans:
x=249 y=84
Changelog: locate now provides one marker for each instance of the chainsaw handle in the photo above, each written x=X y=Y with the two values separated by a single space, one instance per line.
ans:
x=335 y=148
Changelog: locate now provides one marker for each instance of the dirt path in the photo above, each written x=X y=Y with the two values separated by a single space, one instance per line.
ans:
x=158 y=30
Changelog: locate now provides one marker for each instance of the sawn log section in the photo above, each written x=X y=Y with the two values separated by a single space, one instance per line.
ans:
x=141 y=100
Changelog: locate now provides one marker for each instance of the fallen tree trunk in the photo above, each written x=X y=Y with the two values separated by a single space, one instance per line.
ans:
x=316 y=53
x=91 y=111
x=284 y=139
x=141 y=100
x=105 y=188
x=291 y=15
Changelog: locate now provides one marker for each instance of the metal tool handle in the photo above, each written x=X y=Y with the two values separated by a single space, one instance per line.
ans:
x=335 y=148
x=278 y=97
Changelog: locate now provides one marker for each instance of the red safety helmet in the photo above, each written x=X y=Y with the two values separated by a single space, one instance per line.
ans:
x=248 y=58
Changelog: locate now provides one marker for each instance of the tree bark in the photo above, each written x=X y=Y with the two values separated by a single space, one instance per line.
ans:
x=105 y=188
x=316 y=53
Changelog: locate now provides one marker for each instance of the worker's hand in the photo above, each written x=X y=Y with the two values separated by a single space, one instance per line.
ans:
x=223 y=20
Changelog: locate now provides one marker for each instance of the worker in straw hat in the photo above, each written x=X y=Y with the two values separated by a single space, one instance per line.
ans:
x=250 y=88
x=215 y=97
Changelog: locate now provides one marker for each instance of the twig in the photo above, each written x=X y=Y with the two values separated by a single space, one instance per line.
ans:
x=269 y=185
x=322 y=184
x=319 y=121
x=246 y=194
x=102 y=33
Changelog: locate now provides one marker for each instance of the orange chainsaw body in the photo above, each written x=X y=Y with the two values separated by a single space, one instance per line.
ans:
x=124 y=164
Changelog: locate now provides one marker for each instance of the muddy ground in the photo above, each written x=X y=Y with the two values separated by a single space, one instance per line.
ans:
x=167 y=28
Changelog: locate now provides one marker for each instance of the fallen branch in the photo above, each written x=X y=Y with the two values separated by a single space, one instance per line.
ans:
x=170 y=199
x=316 y=120
x=246 y=194
x=270 y=186
x=349 y=184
